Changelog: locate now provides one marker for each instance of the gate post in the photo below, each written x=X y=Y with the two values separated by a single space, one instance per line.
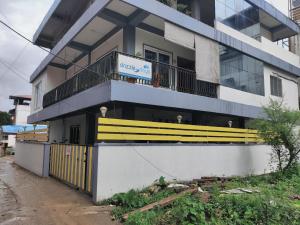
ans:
x=95 y=172
x=46 y=160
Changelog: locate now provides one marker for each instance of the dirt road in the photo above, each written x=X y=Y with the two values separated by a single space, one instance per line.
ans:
x=26 y=199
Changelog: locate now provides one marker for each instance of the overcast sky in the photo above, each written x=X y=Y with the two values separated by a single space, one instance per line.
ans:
x=25 y=16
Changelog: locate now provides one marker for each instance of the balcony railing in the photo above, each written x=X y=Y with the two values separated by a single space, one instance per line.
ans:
x=163 y=75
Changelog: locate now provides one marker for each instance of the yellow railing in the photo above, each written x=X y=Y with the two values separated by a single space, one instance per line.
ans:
x=133 y=130
x=40 y=135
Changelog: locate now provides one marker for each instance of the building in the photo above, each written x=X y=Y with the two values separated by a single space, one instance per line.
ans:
x=21 y=110
x=209 y=61
x=19 y=115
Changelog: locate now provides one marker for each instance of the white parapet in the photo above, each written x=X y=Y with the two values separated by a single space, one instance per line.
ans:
x=124 y=167
x=33 y=157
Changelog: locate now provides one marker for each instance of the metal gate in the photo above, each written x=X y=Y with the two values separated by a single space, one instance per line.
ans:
x=72 y=164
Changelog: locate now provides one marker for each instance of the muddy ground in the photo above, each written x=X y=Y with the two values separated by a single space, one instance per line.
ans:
x=26 y=199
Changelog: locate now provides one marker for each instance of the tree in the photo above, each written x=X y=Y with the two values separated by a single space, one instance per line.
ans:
x=279 y=130
x=5 y=118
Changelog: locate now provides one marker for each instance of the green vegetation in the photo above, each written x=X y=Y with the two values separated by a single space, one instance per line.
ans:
x=5 y=118
x=271 y=199
x=127 y=202
x=271 y=205
x=179 y=6
x=280 y=131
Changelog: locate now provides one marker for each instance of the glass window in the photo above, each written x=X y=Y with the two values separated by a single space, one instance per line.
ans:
x=239 y=15
x=276 y=86
x=241 y=72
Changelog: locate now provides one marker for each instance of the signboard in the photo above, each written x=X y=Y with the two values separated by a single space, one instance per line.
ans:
x=134 y=68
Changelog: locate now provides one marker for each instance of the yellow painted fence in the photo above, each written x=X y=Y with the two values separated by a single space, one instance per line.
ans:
x=133 y=130
x=72 y=164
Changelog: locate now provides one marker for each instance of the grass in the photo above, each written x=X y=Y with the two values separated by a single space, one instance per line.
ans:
x=271 y=206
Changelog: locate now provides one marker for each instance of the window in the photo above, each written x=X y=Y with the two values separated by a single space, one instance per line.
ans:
x=74 y=134
x=163 y=59
x=276 y=86
x=241 y=72
x=239 y=15
x=38 y=95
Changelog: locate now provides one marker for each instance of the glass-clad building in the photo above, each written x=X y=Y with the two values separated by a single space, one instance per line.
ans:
x=239 y=15
x=241 y=72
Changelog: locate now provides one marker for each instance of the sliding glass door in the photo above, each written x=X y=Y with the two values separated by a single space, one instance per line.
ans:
x=161 y=61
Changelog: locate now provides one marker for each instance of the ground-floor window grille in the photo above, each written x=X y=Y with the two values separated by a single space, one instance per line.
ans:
x=74 y=134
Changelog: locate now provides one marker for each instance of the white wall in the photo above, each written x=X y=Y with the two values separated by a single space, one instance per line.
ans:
x=60 y=129
x=80 y=64
x=121 y=168
x=43 y=79
x=281 y=5
x=30 y=156
x=274 y=49
x=50 y=78
x=115 y=42
x=11 y=142
x=152 y=40
x=56 y=131
x=55 y=76
x=289 y=89
x=22 y=112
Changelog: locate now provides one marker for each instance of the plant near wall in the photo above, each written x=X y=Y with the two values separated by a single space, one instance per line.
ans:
x=184 y=9
x=280 y=131
x=167 y=2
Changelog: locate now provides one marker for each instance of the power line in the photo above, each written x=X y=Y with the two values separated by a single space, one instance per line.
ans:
x=14 y=71
x=14 y=61
x=55 y=55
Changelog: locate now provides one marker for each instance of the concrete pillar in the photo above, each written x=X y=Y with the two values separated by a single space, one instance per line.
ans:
x=129 y=40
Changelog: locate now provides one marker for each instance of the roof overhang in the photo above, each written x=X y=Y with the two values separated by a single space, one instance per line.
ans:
x=281 y=25
x=59 y=18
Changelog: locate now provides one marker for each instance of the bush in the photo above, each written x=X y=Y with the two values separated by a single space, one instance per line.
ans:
x=279 y=131
x=146 y=218
x=254 y=209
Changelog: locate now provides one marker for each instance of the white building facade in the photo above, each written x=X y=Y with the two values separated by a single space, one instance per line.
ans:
x=210 y=62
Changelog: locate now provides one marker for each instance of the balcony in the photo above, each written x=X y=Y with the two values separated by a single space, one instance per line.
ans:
x=106 y=68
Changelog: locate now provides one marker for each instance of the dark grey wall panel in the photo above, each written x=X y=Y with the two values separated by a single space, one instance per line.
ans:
x=126 y=92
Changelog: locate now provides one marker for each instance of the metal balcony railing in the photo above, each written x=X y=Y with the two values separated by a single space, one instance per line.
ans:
x=163 y=75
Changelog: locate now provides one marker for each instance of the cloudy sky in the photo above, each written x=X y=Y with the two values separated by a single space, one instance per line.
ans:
x=22 y=57
x=16 y=53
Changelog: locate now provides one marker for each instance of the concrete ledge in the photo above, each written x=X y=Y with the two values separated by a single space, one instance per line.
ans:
x=126 y=92
x=125 y=167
